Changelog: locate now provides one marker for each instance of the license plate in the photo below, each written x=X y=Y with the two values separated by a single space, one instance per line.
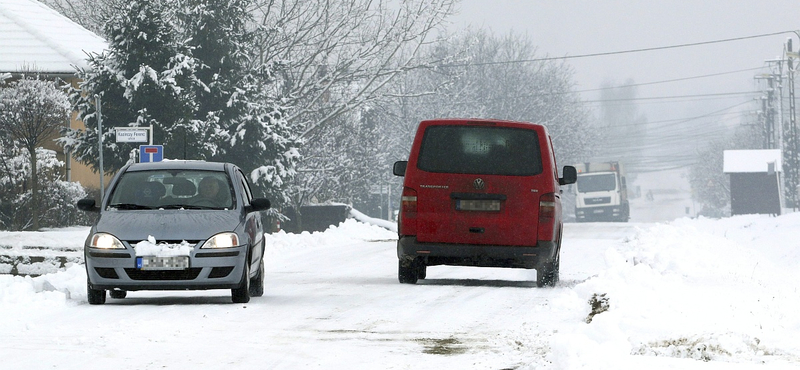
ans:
x=162 y=263
x=598 y=211
x=485 y=205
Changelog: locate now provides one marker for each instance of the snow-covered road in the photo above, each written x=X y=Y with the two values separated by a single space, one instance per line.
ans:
x=689 y=294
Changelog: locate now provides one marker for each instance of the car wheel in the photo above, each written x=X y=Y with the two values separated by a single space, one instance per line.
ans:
x=257 y=283
x=118 y=294
x=408 y=274
x=548 y=274
x=95 y=296
x=242 y=293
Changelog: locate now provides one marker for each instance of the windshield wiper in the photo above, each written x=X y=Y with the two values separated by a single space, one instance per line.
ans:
x=129 y=206
x=180 y=206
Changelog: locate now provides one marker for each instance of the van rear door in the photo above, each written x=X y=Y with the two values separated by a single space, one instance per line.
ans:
x=479 y=184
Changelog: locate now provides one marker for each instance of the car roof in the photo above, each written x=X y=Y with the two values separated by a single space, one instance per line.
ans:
x=179 y=165
x=468 y=121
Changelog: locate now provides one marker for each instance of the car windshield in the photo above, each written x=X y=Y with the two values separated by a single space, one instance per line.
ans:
x=168 y=189
x=480 y=150
x=601 y=182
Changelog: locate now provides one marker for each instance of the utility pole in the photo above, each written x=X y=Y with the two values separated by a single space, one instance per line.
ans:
x=795 y=159
x=768 y=111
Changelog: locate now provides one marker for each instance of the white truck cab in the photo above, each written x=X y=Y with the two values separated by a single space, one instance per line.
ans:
x=601 y=193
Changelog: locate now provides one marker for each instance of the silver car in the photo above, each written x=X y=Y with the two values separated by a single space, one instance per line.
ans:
x=176 y=225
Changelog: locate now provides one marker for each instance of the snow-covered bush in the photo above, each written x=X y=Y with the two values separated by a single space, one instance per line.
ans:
x=56 y=209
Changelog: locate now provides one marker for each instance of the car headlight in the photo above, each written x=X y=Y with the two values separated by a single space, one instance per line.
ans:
x=222 y=240
x=106 y=241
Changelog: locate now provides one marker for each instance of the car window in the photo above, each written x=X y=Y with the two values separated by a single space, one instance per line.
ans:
x=173 y=189
x=248 y=195
x=480 y=150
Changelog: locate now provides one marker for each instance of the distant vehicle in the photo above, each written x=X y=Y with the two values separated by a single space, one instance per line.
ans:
x=601 y=193
x=480 y=192
x=176 y=225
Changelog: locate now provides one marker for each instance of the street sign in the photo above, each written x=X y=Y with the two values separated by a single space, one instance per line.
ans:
x=151 y=153
x=131 y=135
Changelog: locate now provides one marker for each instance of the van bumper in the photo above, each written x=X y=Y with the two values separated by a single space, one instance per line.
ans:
x=432 y=254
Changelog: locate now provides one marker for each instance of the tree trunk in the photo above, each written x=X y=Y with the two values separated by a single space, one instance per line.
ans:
x=34 y=189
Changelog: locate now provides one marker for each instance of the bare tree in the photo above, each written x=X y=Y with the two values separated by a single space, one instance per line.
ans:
x=32 y=111
x=333 y=56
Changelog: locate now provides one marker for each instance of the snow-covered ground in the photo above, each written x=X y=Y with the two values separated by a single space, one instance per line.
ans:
x=686 y=294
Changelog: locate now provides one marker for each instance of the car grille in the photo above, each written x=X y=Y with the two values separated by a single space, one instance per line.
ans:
x=598 y=200
x=187 y=274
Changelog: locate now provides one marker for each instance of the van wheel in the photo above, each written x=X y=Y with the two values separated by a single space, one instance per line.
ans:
x=548 y=274
x=242 y=293
x=422 y=271
x=408 y=274
x=95 y=296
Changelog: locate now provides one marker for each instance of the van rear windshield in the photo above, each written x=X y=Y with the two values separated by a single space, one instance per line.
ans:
x=480 y=150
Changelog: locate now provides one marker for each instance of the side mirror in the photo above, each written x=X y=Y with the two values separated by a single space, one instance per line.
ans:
x=259 y=204
x=569 y=176
x=88 y=205
x=399 y=168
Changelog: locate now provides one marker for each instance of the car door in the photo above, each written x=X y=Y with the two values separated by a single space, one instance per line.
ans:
x=253 y=225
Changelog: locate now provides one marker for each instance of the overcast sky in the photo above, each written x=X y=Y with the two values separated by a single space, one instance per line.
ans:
x=571 y=27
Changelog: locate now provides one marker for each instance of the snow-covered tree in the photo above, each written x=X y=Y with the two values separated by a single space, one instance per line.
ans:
x=185 y=68
x=146 y=78
x=32 y=111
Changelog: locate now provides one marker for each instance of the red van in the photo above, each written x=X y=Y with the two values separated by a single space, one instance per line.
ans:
x=480 y=192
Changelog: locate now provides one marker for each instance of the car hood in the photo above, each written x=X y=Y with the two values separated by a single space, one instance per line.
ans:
x=167 y=224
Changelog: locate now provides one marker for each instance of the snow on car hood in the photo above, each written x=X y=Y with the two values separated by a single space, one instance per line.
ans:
x=167 y=224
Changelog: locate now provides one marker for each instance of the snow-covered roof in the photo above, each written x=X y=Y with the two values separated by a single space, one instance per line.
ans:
x=34 y=37
x=749 y=161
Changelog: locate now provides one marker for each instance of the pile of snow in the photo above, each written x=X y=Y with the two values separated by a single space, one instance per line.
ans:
x=151 y=247
x=710 y=290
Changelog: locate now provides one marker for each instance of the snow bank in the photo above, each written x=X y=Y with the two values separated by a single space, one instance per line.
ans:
x=710 y=290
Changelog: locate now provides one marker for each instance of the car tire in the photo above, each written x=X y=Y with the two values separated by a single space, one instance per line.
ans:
x=548 y=274
x=118 y=294
x=95 y=296
x=422 y=271
x=257 y=283
x=408 y=274
x=242 y=293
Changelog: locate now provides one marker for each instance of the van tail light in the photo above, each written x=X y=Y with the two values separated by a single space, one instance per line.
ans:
x=408 y=212
x=409 y=200
x=548 y=212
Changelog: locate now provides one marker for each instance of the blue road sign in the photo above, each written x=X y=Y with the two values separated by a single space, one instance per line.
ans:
x=151 y=153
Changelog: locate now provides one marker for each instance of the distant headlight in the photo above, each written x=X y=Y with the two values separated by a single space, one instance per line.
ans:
x=106 y=241
x=222 y=240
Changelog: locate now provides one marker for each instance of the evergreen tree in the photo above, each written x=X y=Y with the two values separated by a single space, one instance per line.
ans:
x=184 y=67
x=144 y=79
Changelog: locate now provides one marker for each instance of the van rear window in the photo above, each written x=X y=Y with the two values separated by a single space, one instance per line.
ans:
x=480 y=150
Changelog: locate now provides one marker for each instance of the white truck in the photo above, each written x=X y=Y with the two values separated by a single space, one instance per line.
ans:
x=601 y=193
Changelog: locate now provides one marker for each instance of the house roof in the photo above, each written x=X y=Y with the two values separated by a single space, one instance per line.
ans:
x=751 y=161
x=34 y=37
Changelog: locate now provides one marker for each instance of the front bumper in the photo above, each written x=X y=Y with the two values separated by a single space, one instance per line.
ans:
x=208 y=269
x=432 y=254
x=599 y=213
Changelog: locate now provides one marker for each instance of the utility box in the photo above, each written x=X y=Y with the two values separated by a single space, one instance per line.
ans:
x=755 y=178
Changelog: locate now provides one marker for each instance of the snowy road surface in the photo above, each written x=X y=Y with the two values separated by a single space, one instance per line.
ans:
x=688 y=294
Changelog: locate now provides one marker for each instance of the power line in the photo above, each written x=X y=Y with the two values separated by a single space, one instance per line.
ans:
x=674 y=97
x=668 y=81
x=622 y=51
